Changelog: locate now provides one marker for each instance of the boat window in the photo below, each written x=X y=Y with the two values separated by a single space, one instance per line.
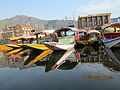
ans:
x=81 y=33
x=93 y=34
x=109 y=30
x=69 y=33
x=118 y=30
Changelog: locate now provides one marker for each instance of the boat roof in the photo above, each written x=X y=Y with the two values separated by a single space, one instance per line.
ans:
x=113 y=24
x=45 y=31
x=49 y=31
x=93 y=31
x=72 y=28
x=81 y=30
x=67 y=28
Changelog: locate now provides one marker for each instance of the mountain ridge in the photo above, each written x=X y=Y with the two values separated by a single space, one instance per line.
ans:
x=39 y=24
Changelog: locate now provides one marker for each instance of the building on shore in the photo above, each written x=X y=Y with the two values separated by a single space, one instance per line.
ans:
x=8 y=32
x=17 y=30
x=115 y=19
x=26 y=30
x=93 y=21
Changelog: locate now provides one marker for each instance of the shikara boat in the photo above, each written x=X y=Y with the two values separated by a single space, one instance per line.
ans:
x=111 y=38
x=22 y=42
x=92 y=37
x=81 y=37
x=61 y=39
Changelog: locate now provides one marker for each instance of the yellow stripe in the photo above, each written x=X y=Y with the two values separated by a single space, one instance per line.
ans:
x=45 y=53
x=22 y=52
x=12 y=45
x=14 y=51
x=4 y=48
x=38 y=46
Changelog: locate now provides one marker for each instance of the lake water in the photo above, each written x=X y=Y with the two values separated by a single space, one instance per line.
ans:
x=96 y=70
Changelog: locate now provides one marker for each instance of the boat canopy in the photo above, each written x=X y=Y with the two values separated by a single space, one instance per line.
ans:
x=72 y=28
x=113 y=24
x=66 y=29
x=93 y=31
x=49 y=31
x=111 y=33
x=81 y=30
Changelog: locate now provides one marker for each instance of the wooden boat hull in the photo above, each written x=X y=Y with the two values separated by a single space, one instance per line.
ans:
x=57 y=46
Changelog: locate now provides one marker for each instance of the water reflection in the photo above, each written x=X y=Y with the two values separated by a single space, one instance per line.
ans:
x=110 y=58
x=20 y=58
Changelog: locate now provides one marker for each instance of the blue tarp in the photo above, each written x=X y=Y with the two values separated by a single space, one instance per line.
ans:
x=69 y=33
x=81 y=33
x=107 y=40
x=34 y=42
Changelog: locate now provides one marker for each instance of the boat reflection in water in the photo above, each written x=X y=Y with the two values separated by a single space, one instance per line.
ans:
x=114 y=63
x=110 y=58
x=16 y=59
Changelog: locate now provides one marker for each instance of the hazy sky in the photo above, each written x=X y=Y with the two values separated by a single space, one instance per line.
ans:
x=57 y=9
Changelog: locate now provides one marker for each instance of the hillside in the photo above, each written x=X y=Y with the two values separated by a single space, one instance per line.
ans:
x=37 y=23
